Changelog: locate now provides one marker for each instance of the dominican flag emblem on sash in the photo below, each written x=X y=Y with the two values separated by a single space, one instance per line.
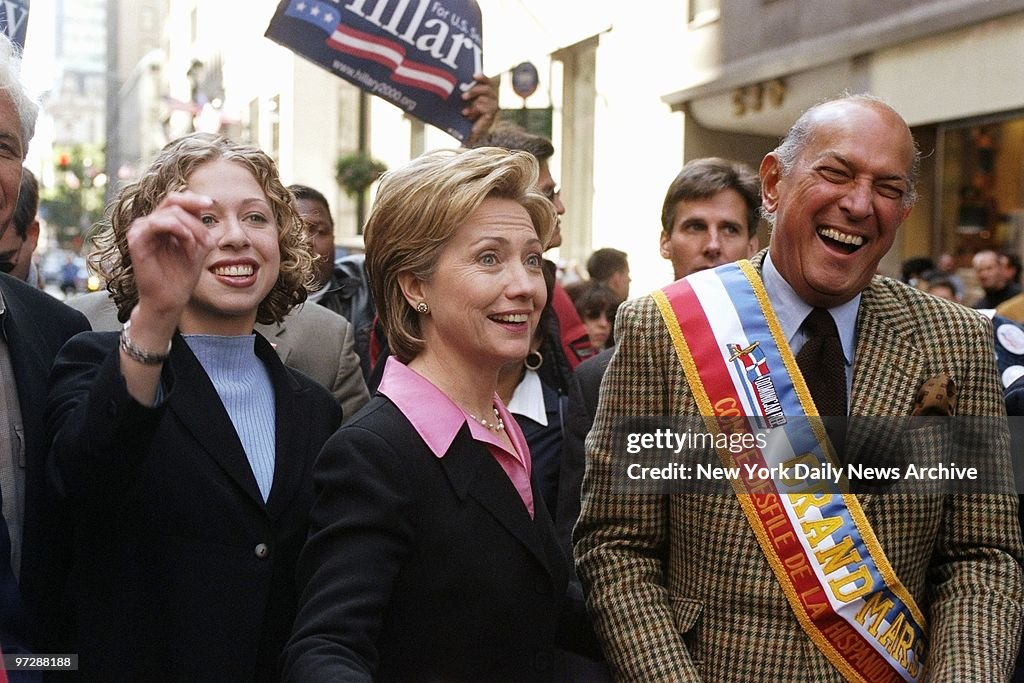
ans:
x=752 y=361
x=419 y=55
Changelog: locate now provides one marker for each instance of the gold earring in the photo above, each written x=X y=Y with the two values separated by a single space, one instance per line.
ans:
x=422 y=307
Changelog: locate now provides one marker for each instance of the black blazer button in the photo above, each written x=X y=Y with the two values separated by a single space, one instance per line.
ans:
x=262 y=551
x=542 y=661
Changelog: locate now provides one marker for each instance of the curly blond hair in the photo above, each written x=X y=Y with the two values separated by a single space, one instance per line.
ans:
x=420 y=207
x=170 y=173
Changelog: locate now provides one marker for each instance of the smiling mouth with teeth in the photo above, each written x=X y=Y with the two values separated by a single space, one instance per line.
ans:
x=512 y=318
x=840 y=240
x=234 y=271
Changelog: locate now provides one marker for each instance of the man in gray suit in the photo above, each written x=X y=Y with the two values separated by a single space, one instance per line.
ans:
x=311 y=339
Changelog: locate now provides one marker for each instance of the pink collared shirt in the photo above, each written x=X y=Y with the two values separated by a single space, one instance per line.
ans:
x=437 y=420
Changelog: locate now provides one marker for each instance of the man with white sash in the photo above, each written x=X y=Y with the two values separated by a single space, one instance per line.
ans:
x=788 y=579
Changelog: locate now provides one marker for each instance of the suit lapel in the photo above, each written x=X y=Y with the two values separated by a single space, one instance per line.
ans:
x=290 y=440
x=475 y=473
x=276 y=335
x=196 y=403
x=887 y=372
x=31 y=369
x=888 y=363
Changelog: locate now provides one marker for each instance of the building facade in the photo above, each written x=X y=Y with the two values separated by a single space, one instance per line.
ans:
x=951 y=68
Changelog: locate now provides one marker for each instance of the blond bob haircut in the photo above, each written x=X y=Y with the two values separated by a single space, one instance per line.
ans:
x=418 y=210
x=170 y=173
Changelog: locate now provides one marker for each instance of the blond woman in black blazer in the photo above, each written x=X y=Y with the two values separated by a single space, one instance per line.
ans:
x=431 y=555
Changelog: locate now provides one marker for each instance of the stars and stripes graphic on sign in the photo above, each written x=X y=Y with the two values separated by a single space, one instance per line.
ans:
x=391 y=54
x=419 y=55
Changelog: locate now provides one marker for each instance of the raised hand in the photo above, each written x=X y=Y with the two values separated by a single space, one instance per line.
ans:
x=482 y=107
x=168 y=248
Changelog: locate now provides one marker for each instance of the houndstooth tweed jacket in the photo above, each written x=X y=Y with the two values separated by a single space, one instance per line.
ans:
x=679 y=588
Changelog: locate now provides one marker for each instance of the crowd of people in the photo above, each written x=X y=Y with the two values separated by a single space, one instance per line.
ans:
x=246 y=461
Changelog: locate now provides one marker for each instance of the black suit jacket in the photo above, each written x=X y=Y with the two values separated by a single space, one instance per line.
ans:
x=423 y=568
x=181 y=571
x=35 y=326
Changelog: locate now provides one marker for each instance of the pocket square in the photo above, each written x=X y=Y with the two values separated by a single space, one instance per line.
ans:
x=936 y=397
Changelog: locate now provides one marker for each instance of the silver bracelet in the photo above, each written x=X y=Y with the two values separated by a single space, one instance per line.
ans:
x=139 y=354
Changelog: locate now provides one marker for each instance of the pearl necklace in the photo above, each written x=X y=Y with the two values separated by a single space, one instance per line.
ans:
x=496 y=426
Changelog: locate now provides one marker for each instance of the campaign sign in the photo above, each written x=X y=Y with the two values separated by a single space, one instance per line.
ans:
x=419 y=55
x=14 y=20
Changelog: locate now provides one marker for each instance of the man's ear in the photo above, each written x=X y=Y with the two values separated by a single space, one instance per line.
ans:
x=412 y=288
x=666 y=241
x=771 y=173
x=906 y=212
x=32 y=234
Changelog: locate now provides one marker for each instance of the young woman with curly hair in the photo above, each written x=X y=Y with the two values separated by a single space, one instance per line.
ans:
x=183 y=448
